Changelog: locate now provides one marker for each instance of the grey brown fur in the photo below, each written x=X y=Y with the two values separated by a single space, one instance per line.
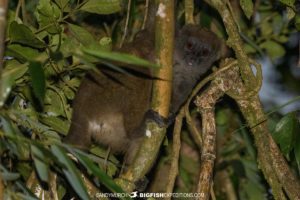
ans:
x=110 y=107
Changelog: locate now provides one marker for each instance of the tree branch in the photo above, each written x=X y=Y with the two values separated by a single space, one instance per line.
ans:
x=271 y=160
x=205 y=103
x=164 y=39
x=3 y=11
x=175 y=152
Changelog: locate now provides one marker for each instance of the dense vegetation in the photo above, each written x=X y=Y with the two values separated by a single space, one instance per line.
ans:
x=50 y=45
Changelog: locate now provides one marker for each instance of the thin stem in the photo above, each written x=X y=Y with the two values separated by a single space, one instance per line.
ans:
x=189 y=11
x=164 y=43
x=126 y=23
x=146 y=14
x=176 y=152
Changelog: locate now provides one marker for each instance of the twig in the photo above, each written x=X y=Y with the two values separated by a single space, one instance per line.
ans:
x=227 y=185
x=53 y=186
x=18 y=10
x=189 y=11
x=212 y=192
x=196 y=134
x=24 y=16
x=126 y=23
x=175 y=153
x=145 y=14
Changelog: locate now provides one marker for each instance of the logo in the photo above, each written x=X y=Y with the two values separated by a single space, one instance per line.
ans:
x=133 y=194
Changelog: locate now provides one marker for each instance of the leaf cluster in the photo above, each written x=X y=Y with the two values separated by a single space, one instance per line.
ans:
x=51 y=44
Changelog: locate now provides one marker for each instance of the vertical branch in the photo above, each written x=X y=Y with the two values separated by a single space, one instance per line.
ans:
x=146 y=14
x=3 y=11
x=189 y=11
x=164 y=42
x=208 y=153
x=205 y=103
x=227 y=185
x=175 y=152
x=126 y=23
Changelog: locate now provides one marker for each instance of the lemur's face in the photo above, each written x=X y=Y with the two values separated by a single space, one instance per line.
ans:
x=197 y=48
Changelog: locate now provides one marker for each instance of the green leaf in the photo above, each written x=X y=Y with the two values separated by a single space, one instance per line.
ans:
x=289 y=3
x=48 y=15
x=22 y=53
x=285 y=132
x=266 y=28
x=102 y=153
x=38 y=80
x=111 y=163
x=7 y=127
x=249 y=49
x=105 y=179
x=69 y=93
x=9 y=176
x=68 y=46
x=53 y=102
x=51 y=137
x=222 y=117
x=15 y=144
x=252 y=191
x=247 y=6
x=278 y=23
x=56 y=123
x=119 y=57
x=282 y=38
x=251 y=170
x=274 y=49
x=102 y=7
x=290 y=13
x=62 y=3
x=297 y=22
x=81 y=35
x=70 y=171
x=69 y=85
x=25 y=196
x=11 y=73
x=41 y=167
x=19 y=33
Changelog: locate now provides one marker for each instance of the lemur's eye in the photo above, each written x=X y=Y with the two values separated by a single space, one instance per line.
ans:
x=189 y=45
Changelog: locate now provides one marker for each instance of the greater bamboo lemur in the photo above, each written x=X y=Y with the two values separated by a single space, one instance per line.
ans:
x=110 y=108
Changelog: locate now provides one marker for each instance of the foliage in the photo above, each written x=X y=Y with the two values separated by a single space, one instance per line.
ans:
x=49 y=47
